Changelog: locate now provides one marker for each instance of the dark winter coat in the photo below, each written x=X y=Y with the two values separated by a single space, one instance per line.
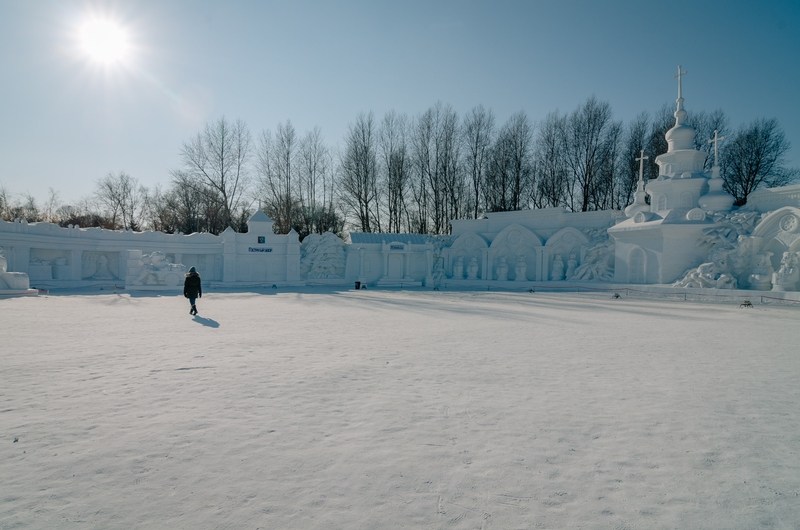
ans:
x=191 y=286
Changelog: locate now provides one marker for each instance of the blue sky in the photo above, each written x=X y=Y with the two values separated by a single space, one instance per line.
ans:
x=66 y=122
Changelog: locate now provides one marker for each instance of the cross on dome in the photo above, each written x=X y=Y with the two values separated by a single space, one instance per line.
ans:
x=716 y=140
x=641 y=160
x=678 y=75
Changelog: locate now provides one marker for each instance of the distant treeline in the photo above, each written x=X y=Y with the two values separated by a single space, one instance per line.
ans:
x=412 y=174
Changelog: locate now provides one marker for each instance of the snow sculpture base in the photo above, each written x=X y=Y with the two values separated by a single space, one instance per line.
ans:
x=14 y=283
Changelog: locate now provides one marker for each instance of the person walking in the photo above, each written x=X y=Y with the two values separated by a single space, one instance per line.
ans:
x=192 y=289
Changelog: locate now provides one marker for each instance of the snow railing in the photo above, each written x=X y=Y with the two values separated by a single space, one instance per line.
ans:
x=685 y=294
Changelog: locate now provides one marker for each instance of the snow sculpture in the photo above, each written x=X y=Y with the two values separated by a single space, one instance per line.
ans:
x=11 y=281
x=716 y=199
x=438 y=272
x=521 y=269
x=322 y=257
x=761 y=277
x=154 y=270
x=458 y=269
x=472 y=269
x=598 y=264
x=786 y=278
x=103 y=272
x=639 y=202
x=502 y=269
x=557 y=274
x=572 y=263
x=715 y=274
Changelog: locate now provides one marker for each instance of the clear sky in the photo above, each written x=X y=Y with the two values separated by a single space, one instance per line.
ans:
x=67 y=120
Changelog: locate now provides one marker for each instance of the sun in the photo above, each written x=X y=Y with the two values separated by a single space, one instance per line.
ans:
x=104 y=41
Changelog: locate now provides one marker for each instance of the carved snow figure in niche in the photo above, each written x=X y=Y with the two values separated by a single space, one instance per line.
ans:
x=472 y=269
x=761 y=277
x=438 y=272
x=458 y=269
x=103 y=272
x=715 y=274
x=502 y=270
x=12 y=280
x=786 y=278
x=521 y=269
x=156 y=270
x=557 y=274
x=572 y=263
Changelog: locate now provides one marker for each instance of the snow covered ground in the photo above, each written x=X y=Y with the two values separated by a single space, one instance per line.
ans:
x=324 y=408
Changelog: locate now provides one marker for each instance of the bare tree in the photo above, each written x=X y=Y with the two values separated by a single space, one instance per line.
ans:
x=315 y=166
x=704 y=124
x=478 y=135
x=438 y=186
x=123 y=198
x=550 y=169
x=395 y=167
x=509 y=172
x=5 y=203
x=635 y=141
x=217 y=159
x=754 y=158
x=358 y=179
x=589 y=141
x=279 y=184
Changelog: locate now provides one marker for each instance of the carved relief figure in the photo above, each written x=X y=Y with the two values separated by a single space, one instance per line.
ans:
x=572 y=263
x=458 y=269
x=472 y=269
x=521 y=269
x=761 y=277
x=557 y=274
x=156 y=270
x=103 y=272
x=438 y=272
x=713 y=275
x=786 y=278
x=502 y=270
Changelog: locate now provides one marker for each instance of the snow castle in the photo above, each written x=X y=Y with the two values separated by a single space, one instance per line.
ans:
x=688 y=234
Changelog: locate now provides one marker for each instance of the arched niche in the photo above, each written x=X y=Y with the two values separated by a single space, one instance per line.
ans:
x=568 y=243
x=661 y=202
x=779 y=232
x=637 y=265
x=515 y=243
x=686 y=199
x=466 y=247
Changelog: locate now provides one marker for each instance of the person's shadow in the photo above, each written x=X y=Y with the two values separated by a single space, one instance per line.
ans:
x=208 y=322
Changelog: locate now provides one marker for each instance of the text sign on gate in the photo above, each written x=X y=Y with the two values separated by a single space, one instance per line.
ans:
x=252 y=249
x=397 y=247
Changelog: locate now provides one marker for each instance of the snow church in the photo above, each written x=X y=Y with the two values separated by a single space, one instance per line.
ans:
x=688 y=234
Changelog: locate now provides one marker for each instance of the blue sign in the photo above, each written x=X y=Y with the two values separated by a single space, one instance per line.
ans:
x=397 y=247
x=262 y=240
x=254 y=249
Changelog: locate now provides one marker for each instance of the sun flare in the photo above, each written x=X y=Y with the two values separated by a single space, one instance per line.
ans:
x=104 y=41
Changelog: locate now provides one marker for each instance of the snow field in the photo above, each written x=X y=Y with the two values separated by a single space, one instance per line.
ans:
x=320 y=408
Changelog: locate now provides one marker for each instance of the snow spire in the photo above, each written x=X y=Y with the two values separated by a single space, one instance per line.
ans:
x=681 y=136
x=639 y=203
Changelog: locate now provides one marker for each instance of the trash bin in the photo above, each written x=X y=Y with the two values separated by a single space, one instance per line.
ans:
x=358 y=286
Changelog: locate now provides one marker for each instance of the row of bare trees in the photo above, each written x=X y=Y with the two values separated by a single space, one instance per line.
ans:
x=412 y=174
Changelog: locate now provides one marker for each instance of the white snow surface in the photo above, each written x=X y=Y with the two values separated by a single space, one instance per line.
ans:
x=324 y=408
